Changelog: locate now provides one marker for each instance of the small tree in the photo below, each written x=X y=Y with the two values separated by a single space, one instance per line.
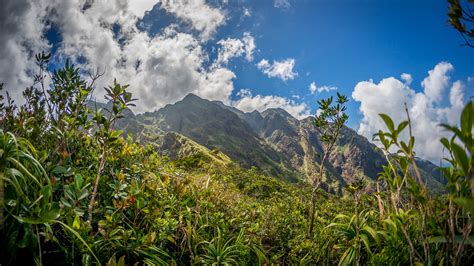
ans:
x=330 y=120
x=105 y=134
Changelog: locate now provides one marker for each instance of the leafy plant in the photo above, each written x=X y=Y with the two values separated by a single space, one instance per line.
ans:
x=357 y=237
x=329 y=121
x=29 y=197
x=148 y=210
x=222 y=252
x=106 y=136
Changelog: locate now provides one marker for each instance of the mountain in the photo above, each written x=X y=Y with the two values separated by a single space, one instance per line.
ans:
x=215 y=127
x=188 y=152
x=272 y=141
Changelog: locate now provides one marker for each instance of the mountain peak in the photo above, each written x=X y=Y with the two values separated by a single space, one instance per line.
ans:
x=277 y=110
x=273 y=140
x=191 y=96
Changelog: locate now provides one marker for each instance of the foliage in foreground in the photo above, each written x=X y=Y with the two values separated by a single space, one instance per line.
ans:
x=73 y=190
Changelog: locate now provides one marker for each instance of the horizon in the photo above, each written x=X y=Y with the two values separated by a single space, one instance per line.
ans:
x=254 y=56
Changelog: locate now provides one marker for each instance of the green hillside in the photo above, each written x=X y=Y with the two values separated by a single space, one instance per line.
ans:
x=199 y=183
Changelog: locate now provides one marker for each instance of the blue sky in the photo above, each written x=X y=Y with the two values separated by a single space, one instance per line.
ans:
x=338 y=43
x=256 y=55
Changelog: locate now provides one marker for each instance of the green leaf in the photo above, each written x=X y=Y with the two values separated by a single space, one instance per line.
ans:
x=78 y=180
x=30 y=220
x=50 y=215
x=405 y=147
x=121 y=261
x=455 y=130
x=77 y=222
x=461 y=157
x=411 y=143
x=59 y=170
x=86 y=259
x=81 y=239
x=467 y=118
x=83 y=195
x=467 y=203
x=446 y=143
x=402 y=126
x=388 y=122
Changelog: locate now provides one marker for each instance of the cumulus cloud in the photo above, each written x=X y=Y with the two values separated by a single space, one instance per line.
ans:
x=21 y=30
x=437 y=81
x=139 y=7
x=160 y=69
x=249 y=103
x=163 y=69
x=426 y=111
x=313 y=88
x=279 y=69
x=230 y=48
x=407 y=78
x=201 y=16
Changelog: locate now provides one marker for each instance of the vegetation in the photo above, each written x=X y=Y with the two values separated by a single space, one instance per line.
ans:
x=461 y=18
x=330 y=121
x=74 y=190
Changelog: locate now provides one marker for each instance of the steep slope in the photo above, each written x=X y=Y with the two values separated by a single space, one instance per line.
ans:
x=178 y=147
x=215 y=127
x=273 y=141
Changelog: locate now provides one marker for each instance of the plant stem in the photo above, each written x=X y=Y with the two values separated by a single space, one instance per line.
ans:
x=96 y=185
x=2 y=199
x=415 y=167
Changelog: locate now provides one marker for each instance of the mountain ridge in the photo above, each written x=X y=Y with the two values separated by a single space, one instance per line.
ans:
x=273 y=141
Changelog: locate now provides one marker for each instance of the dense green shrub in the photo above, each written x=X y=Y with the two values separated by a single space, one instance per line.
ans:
x=149 y=210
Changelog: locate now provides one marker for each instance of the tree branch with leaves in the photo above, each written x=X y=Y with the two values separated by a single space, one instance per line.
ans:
x=106 y=136
x=461 y=17
x=329 y=120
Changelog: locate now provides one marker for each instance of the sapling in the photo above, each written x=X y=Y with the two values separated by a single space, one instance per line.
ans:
x=329 y=120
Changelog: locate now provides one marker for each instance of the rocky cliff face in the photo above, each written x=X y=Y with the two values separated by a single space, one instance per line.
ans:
x=272 y=141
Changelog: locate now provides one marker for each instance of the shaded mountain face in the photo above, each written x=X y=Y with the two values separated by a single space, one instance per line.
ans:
x=273 y=141
x=215 y=127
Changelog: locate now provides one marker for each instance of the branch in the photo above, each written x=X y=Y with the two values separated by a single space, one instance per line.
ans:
x=417 y=172
x=467 y=42
x=95 y=76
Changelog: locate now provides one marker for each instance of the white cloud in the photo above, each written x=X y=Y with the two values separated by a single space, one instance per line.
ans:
x=279 y=69
x=247 y=12
x=249 y=44
x=170 y=66
x=313 y=88
x=160 y=69
x=202 y=17
x=139 y=7
x=231 y=48
x=249 y=103
x=244 y=93
x=407 y=78
x=437 y=81
x=389 y=95
x=20 y=38
x=282 y=4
